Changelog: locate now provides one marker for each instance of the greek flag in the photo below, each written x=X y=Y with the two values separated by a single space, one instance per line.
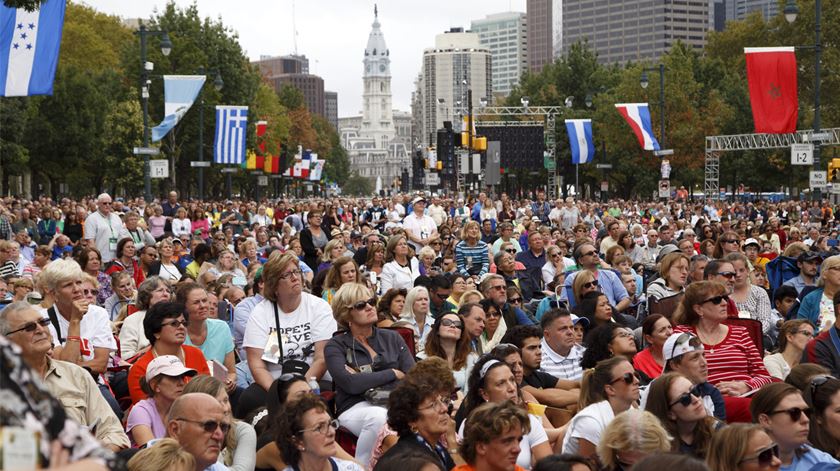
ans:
x=29 y=45
x=580 y=140
x=231 y=125
x=179 y=92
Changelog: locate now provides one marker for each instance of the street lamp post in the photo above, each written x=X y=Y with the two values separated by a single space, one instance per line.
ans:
x=791 y=11
x=644 y=83
x=218 y=83
x=165 y=48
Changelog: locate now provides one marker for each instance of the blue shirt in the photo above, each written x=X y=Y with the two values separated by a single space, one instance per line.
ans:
x=218 y=342
x=809 y=459
x=608 y=282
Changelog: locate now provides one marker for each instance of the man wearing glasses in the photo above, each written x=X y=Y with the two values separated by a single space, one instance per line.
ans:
x=78 y=392
x=104 y=227
x=609 y=283
x=197 y=422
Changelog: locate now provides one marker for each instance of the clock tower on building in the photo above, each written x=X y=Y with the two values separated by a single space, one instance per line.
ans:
x=377 y=116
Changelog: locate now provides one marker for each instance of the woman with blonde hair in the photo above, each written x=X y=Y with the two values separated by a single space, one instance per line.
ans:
x=343 y=270
x=417 y=315
x=471 y=296
x=375 y=259
x=471 y=253
x=167 y=453
x=665 y=292
x=332 y=252
x=743 y=447
x=583 y=283
x=631 y=436
x=752 y=300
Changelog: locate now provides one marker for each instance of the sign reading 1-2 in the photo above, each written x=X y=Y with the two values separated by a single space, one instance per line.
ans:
x=802 y=154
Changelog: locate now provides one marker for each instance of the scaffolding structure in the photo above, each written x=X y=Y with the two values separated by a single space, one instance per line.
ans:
x=715 y=145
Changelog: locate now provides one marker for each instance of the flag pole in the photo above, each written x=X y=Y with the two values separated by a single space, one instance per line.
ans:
x=577 y=182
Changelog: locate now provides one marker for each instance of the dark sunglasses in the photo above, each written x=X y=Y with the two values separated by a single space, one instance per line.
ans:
x=590 y=284
x=358 y=305
x=628 y=378
x=765 y=456
x=587 y=254
x=288 y=377
x=818 y=381
x=716 y=300
x=510 y=250
x=210 y=426
x=177 y=324
x=795 y=413
x=728 y=241
x=727 y=274
x=686 y=397
x=515 y=300
x=31 y=326
x=451 y=323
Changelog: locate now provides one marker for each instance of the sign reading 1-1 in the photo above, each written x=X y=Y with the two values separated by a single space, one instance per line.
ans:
x=802 y=154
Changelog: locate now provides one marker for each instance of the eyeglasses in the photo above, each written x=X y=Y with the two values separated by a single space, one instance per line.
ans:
x=685 y=337
x=515 y=300
x=177 y=323
x=31 y=326
x=728 y=241
x=590 y=284
x=806 y=333
x=555 y=255
x=587 y=254
x=293 y=273
x=818 y=381
x=440 y=403
x=324 y=427
x=764 y=456
x=494 y=314
x=358 y=305
x=498 y=287
x=210 y=426
x=687 y=397
x=716 y=300
x=510 y=250
x=90 y=292
x=623 y=334
x=795 y=413
x=451 y=323
x=628 y=378
x=727 y=274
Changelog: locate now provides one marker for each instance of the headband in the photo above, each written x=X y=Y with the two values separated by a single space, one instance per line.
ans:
x=259 y=417
x=486 y=367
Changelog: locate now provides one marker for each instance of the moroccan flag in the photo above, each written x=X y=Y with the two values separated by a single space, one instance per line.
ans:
x=771 y=73
x=272 y=164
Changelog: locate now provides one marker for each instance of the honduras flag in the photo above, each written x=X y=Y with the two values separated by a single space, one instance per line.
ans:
x=580 y=140
x=179 y=92
x=231 y=127
x=29 y=44
x=638 y=117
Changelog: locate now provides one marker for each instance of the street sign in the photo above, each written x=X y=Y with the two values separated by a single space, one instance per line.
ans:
x=664 y=188
x=230 y=170
x=262 y=180
x=146 y=151
x=835 y=188
x=819 y=136
x=660 y=153
x=159 y=168
x=199 y=163
x=802 y=154
x=817 y=178
x=604 y=166
x=432 y=179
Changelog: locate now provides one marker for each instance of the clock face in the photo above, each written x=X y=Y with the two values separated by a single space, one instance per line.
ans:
x=382 y=67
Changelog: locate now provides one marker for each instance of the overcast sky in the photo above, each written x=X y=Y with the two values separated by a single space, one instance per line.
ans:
x=333 y=33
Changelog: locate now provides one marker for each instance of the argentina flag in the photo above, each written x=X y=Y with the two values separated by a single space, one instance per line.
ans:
x=231 y=125
x=29 y=45
x=580 y=140
x=179 y=92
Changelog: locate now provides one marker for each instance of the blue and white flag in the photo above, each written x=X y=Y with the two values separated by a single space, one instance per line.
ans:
x=29 y=45
x=179 y=92
x=231 y=127
x=580 y=140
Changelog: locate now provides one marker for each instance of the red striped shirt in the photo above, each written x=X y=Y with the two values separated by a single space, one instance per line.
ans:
x=735 y=358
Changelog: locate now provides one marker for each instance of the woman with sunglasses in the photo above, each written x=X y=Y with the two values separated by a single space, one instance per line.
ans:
x=361 y=358
x=818 y=305
x=494 y=326
x=492 y=380
x=678 y=405
x=743 y=447
x=794 y=336
x=450 y=341
x=583 y=283
x=823 y=396
x=727 y=243
x=555 y=263
x=606 y=390
x=781 y=410
x=734 y=362
x=306 y=437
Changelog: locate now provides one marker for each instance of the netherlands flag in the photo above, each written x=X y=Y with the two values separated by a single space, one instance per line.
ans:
x=638 y=117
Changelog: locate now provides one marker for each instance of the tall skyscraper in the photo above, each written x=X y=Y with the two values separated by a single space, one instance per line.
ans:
x=743 y=8
x=456 y=64
x=505 y=35
x=540 y=20
x=331 y=108
x=633 y=30
x=294 y=70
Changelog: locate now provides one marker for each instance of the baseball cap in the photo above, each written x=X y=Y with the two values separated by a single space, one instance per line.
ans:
x=168 y=365
x=576 y=320
x=665 y=250
x=751 y=241
x=808 y=256
x=418 y=200
x=679 y=344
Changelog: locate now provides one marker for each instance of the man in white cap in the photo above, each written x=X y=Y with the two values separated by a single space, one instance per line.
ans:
x=419 y=228
x=684 y=354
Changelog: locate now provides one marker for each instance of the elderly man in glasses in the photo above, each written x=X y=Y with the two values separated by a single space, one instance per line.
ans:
x=104 y=227
x=75 y=387
x=586 y=257
x=197 y=421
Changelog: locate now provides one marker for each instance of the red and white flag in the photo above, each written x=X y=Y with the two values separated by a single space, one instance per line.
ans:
x=771 y=73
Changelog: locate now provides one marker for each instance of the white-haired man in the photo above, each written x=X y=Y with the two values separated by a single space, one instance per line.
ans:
x=103 y=227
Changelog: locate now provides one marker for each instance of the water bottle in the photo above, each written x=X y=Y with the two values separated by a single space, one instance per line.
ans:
x=314 y=386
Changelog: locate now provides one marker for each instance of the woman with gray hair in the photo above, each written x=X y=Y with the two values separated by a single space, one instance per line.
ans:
x=152 y=290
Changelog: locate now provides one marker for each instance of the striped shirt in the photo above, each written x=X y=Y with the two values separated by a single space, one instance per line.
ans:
x=735 y=358
x=468 y=256
x=563 y=367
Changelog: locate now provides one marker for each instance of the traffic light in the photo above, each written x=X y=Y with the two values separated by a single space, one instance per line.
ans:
x=834 y=171
x=479 y=143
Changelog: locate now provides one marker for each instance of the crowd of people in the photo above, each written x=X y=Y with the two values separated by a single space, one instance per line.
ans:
x=419 y=332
